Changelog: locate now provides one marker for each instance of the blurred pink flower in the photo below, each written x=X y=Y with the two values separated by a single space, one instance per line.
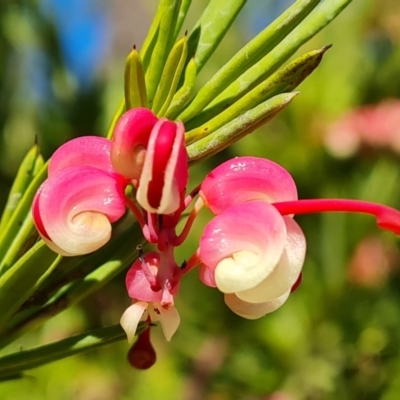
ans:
x=372 y=263
x=376 y=126
x=279 y=396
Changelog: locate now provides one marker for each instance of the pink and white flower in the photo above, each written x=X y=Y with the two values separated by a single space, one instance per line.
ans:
x=249 y=251
x=252 y=250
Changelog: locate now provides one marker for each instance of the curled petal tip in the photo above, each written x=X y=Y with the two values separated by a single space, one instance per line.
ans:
x=74 y=209
x=286 y=273
x=243 y=245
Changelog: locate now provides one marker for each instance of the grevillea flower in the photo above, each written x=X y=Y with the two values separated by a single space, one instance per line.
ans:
x=85 y=191
x=249 y=251
x=253 y=250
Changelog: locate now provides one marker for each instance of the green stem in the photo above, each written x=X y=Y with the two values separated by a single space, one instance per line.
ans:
x=13 y=365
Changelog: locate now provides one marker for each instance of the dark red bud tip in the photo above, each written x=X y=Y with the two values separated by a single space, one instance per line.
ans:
x=297 y=283
x=142 y=354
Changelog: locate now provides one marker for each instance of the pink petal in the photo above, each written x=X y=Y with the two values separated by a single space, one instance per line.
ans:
x=75 y=207
x=246 y=178
x=253 y=310
x=243 y=245
x=284 y=276
x=86 y=150
x=138 y=284
x=131 y=317
x=130 y=139
x=165 y=170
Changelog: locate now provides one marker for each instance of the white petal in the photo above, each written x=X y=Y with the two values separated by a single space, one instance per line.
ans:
x=169 y=319
x=287 y=271
x=253 y=310
x=131 y=318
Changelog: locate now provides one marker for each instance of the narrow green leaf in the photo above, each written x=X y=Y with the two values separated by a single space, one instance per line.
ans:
x=321 y=16
x=24 y=239
x=73 y=268
x=170 y=77
x=8 y=234
x=16 y=363
x=25 y=174
x=18 y=282
x=146 y=53
x=239 y=127
x=151 y=39
x=27 y=234
x=211 y=28
x=252 y=52
x=134 y=82
x=120 y=110
x=77 y=278
x=182 y=96
x=162 y=47
x=284 y=80
x=185 y=5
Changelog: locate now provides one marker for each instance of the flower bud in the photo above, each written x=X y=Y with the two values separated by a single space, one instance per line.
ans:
x=165 y=171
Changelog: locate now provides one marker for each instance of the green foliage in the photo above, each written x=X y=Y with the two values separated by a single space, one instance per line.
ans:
x=337 y=336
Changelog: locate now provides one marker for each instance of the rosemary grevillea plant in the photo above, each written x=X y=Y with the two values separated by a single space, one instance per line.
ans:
x=252 y=250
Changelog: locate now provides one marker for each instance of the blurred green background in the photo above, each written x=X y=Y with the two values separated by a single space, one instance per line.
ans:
x=338 y=335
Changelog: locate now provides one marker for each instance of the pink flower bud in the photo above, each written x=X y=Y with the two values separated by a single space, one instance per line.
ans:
x=142 y=354
x=130 y=140
x=74 y=208
x=165 y=170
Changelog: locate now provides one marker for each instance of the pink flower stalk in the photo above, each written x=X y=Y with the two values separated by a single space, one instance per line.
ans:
x=376 y=126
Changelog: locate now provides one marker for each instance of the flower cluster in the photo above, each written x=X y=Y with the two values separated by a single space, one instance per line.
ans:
x=252 y=250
